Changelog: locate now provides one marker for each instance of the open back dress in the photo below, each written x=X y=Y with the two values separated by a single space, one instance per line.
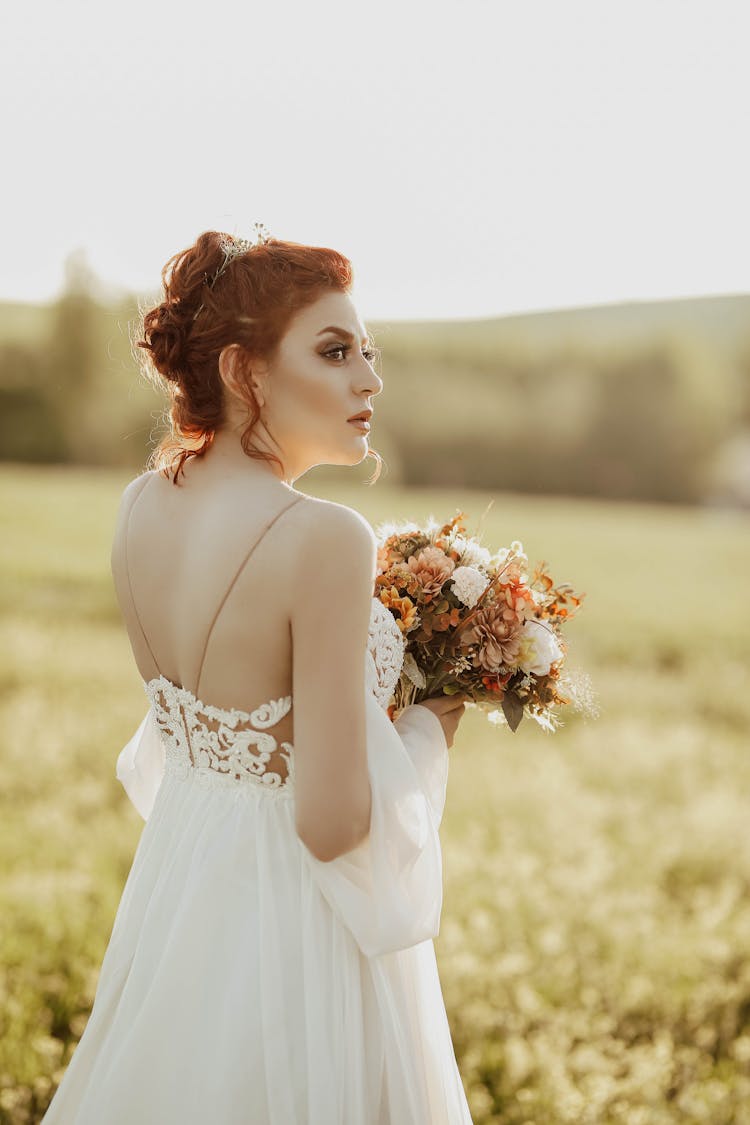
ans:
x=245 y=981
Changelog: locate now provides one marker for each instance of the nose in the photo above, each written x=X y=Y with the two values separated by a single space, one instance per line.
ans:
x=369 y=381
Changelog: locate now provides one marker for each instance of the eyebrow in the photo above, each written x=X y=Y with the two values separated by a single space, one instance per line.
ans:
x=342 y=332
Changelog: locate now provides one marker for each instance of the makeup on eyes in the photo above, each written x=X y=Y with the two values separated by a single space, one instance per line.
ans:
x=368 y=353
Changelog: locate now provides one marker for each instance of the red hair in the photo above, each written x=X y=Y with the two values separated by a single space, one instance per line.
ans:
x=251 y=304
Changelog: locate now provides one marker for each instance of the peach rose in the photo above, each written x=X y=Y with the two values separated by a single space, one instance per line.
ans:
x=432 y=568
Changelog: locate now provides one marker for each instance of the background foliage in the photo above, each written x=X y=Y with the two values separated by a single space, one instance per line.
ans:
x=595 y=939
x=635 y=401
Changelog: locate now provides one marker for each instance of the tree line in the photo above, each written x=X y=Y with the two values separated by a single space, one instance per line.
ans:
x=644 y=421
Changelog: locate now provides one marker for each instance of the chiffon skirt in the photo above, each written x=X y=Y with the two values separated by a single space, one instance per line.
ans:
x=248 y=983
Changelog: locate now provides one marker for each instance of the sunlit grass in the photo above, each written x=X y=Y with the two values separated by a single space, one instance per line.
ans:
x=595 y=939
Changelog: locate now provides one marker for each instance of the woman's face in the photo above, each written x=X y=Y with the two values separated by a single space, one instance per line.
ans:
x=321 y=375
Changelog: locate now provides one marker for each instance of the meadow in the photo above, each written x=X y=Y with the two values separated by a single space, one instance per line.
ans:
x=595 y=939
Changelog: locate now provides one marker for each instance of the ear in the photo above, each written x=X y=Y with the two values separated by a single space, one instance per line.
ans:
x=230 y=375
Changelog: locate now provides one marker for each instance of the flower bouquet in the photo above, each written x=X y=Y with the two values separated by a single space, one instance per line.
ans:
x=475 y=622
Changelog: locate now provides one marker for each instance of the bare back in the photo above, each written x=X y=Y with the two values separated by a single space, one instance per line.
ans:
x=202 y=573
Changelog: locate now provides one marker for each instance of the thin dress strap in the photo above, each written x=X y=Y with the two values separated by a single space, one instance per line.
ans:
x=241 y=567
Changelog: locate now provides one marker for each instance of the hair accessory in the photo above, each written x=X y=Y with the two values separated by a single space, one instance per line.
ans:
x=232 y=248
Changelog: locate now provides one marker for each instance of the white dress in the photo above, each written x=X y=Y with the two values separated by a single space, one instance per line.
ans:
x=247 y=982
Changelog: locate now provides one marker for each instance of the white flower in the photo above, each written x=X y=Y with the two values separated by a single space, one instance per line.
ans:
x=539 y=648
x=472 y=553
x=547 y=719
x=502 y=555
x=467 y=584
x=395 y=527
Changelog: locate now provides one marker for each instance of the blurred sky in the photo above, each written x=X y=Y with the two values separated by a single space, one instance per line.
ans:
x=473 y=158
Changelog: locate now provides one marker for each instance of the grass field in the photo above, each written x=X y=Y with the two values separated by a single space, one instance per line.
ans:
x=595 y=938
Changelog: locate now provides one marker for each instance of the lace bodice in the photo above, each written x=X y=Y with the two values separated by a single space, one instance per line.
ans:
x=220 y=746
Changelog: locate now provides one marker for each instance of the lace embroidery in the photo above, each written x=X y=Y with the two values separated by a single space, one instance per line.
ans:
x=387 y=647
x=218 y=746
x=215 y=746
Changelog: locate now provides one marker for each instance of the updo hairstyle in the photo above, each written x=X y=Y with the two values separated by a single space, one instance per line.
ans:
x=251 y=303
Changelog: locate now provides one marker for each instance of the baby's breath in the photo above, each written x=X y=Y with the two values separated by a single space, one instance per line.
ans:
x=583 y=698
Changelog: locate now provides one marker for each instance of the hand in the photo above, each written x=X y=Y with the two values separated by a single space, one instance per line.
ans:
x=449 y=710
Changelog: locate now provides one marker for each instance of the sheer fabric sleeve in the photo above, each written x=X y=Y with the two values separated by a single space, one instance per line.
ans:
x=422 y=734
x=140 y=764
x=388 y=891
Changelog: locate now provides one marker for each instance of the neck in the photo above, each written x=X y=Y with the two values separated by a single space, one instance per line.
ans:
x=226 y=448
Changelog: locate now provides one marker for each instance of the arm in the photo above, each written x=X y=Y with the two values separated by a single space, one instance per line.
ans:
x=140 y=763
x=388 y=890
x=386 y=885
x=333 y=578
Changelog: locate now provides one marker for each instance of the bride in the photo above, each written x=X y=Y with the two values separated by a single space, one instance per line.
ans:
x=271 y=961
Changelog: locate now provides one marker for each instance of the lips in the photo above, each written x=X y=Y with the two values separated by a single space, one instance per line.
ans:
x=363 y=416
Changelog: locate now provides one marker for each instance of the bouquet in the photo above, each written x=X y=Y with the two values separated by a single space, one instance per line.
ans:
x=477 y=623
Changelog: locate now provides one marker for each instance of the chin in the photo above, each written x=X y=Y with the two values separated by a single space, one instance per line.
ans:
x=351 y=456
x=361 y=454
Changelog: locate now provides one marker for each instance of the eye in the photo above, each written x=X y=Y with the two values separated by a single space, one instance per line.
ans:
x=370 y=354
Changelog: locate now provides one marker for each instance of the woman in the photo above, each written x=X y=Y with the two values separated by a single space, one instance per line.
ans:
x=271 y=960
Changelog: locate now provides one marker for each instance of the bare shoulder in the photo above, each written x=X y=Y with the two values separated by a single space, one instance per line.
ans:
x=128 y=497
x=332 y=547
x=323 y=522
x=132 y=490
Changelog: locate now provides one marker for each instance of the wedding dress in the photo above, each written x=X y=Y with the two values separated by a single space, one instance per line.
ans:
x=245 y=981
